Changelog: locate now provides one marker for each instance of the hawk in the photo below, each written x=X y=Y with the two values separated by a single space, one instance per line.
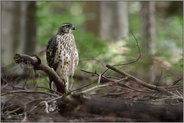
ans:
x=62 y=54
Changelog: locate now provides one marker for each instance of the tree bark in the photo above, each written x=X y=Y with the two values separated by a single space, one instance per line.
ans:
x=30 y=28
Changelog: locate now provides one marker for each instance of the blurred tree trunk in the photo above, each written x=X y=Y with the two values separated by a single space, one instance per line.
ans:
x=161 y=7
x=92 y=13
x=10 y=30
x=114 y=20
x=148 y=34
x=16 y=28
x=169 y=8
x=30 y=27
x=108 y=20
x=148 y=31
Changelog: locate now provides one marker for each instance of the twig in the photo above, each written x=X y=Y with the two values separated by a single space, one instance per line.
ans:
x=49 y=89
x=95 y=87
x=46 y=107
x=8 y=83
x=137 y=44
x=14 y=110
x=176 y=81
x=27 y=91
x=179 y=93
x=157 y=80
x=136 y=89
x=25 y=117
x=53 y=99
x=87 y=84
x=97 y=74
x=83 y=86
x=39 y=104
x=130 y=77
x=115 y=94
x=88 y=71
x=99 y=78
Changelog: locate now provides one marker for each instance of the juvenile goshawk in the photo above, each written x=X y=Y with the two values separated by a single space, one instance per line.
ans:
x=62 y=53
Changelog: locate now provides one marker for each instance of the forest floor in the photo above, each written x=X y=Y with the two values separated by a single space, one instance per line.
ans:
x=112 y=99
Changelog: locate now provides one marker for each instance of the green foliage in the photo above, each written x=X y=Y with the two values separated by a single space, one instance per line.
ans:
x=169 y=43
x=90 y=49
x=7 y=112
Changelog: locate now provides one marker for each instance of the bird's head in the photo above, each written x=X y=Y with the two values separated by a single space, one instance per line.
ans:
x=65 y=28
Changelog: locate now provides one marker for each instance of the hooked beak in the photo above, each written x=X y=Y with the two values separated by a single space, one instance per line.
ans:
x=73 y=28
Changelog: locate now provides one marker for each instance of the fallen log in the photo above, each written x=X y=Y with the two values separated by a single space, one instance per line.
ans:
x=137 y=110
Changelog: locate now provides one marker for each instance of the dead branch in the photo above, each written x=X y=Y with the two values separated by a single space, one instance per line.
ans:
x=36 y=63
x=175 y=82
x=120 y=82
x=132 y=78
x=27 y=91
x=95 y=87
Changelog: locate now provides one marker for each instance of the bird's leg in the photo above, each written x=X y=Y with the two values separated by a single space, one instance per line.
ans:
x=50 y=85
x=72 y=81
x=67 y=84
x=53 y=86
x=53 y=105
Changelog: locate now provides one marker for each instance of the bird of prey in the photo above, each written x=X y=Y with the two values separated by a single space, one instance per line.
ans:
x=62 y=54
